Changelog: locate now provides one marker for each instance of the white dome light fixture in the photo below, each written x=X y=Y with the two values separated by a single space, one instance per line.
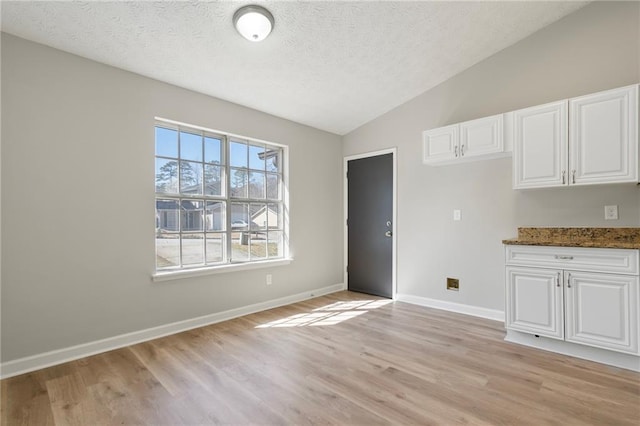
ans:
x=253 y=22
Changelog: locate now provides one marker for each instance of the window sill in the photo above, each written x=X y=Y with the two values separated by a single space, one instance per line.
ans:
x=234 y=267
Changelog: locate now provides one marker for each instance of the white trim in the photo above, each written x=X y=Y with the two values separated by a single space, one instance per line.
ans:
x=604 y=356
x=231 y=267
x=394 y=233
x=476 y=311
x=59 y=356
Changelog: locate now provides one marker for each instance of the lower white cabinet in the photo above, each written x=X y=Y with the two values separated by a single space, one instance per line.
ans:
x=534 y=301
x=602 y=310
x=598 y=309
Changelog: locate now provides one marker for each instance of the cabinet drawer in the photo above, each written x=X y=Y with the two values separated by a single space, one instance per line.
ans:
x=577 y=258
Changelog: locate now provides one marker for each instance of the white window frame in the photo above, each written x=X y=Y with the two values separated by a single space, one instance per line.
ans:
x=227 y=264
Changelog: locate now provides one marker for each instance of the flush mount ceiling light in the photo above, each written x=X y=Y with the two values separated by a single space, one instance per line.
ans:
x=253 y=22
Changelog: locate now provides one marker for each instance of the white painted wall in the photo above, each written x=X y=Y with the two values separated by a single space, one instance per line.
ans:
x=596 y=48
x=78 y=148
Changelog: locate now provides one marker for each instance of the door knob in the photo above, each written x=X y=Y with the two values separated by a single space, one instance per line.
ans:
x=388 y=234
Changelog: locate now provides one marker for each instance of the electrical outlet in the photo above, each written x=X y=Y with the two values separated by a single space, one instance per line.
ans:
x=457 y=215
x=611 y=212
x=269 y=279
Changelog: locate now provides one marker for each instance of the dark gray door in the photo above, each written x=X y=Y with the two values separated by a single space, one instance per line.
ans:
x=370 y=212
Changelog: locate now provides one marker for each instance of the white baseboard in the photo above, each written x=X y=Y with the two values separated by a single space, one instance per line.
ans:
x=475 y=311
x=616 y=359
x=59 y=356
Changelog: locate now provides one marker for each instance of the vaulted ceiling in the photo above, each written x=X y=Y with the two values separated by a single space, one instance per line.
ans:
x=331 y=65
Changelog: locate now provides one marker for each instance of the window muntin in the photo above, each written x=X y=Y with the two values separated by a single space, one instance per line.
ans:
x=218 y=199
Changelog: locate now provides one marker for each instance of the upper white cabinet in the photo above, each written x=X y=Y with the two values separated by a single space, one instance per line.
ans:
x=603 y=137
x=483 y=136
x=441 y=144
x=540 y=146
x=471 y=140
x=587 y=140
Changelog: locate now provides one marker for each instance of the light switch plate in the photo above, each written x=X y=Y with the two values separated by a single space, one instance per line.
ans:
x=457 y=215
x=611 y=212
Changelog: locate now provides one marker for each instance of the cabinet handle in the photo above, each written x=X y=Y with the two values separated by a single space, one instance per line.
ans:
x=563 y=257
x=568 y=280
x=462 y=150
x=558 y=280
x=564 y=172
x=455 y=151
x=573 y=176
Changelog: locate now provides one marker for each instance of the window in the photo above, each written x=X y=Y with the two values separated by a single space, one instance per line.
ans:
x=219 y=199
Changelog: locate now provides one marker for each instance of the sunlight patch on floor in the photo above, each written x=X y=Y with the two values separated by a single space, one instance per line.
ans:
x=355 y=304
x=332 y=314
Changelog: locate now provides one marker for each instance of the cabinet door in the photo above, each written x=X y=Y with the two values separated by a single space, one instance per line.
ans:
x=602 y=310
x=603 y=137
x=540 y=146
x=534 y=301
x=482 y=136
x=440 y=144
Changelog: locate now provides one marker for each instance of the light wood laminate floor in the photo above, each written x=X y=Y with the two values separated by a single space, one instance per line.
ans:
x=345 y=358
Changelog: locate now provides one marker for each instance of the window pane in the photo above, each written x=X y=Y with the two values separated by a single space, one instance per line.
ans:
x=166 y=176
x=258 y=244
x=238 y=154
x=275 y=244
x=190 y=146
x=240 y=247
x=215 y=248
x=215 y=216
x=258 y=226
x=212 y=180
x=274 y=216
x=212 y=150
x=167 y=216
x=239 y=216
x=240 y=231
x=256 y=157
x=258 y=213
x=166 y=142
x=167 y=250
x=192 y=249
x=273 y=160
x=191 y=215
x=190 y=177
x=273 y=186
x=256 y=185
x=239 y=183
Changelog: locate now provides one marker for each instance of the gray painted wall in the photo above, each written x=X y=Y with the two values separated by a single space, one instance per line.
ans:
x=594 y=49
x=78 y=203
x=77 y=144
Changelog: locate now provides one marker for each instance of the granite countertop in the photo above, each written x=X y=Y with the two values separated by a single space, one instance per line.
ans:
x=623 y=238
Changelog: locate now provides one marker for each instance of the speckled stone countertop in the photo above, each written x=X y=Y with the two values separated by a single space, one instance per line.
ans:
x=624 y=238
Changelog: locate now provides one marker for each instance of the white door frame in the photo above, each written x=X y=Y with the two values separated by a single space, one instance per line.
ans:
x=394 y=233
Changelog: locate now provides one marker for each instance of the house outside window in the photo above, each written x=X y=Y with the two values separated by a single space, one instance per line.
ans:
x=219 y=198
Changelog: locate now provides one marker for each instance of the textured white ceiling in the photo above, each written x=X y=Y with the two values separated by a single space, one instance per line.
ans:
x=330 y=65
